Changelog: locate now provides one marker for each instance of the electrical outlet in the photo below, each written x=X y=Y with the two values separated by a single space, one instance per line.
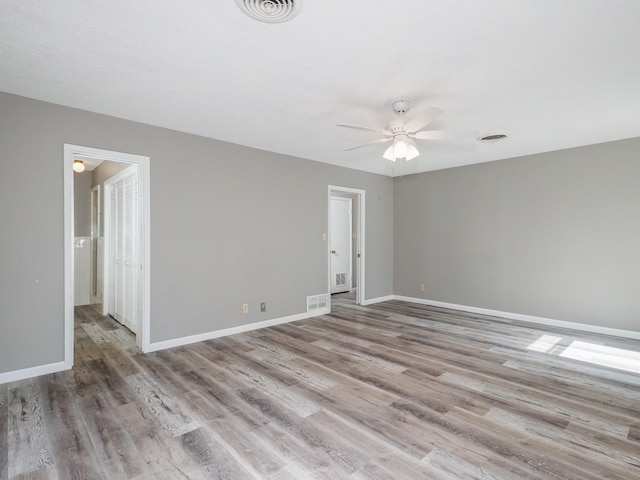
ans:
x=263 y=307
x=245 y=308
x=421 y=287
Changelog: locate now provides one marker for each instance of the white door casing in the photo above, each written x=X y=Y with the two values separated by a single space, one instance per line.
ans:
x=70 y=152
x=359 y=246
x=340 y=248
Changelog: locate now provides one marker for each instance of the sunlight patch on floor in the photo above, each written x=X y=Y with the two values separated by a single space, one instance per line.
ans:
x=619 y=358
x=544 y=344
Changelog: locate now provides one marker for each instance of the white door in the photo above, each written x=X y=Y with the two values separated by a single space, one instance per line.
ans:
x=340 y=244
x=124 y=250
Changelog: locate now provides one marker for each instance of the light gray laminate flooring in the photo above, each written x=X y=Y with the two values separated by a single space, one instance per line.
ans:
x=391 y=391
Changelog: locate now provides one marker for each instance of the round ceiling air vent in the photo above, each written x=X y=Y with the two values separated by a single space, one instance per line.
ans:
x=270 y=11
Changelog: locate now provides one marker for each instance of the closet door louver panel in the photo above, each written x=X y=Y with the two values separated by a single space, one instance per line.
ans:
x=124 y=274
x=130 y=253
x=120 y=215
x=113 y=225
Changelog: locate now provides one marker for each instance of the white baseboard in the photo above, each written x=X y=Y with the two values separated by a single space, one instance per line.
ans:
x=61 y=366
x=177 y=342
x=525 y=318
x=371 y=301
x=32 y=372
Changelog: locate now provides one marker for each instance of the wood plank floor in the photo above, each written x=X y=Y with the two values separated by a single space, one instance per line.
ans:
x=391 y=391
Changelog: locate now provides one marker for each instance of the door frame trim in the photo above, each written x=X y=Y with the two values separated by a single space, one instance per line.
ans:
x=349 y=201
x=70 y=151
x=361 y=234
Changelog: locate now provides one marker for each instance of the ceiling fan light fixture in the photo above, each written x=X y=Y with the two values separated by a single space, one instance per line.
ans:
x=412 y=150
x=388 y=154
x=401 y=132
x=400 y=148
x=78 y=165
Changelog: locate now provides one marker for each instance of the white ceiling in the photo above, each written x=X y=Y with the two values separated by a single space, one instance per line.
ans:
x=551 y=74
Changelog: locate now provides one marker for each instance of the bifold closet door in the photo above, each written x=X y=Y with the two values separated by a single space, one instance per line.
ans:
x=124 y=249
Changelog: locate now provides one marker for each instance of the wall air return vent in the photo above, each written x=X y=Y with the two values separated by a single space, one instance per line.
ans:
x=270 y=11
x=316 y=302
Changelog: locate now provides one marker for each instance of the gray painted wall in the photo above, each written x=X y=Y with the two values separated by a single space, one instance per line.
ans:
x=229 y=225
x=82 y=204
x=554 y=235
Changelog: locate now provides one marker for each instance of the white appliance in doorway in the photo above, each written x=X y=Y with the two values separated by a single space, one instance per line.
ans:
x=341 y=244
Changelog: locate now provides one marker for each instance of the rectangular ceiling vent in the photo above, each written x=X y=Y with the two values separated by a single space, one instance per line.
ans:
x=314 y=302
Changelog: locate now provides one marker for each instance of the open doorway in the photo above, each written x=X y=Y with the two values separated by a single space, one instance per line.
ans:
x=116 y=278
x=346 y=241
x=343 y=276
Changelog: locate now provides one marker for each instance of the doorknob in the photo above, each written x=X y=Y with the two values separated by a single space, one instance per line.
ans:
x=333 y=251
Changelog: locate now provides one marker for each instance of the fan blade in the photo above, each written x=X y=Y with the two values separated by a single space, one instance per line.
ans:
x=422 y=119
x=366 y=129
x=380 y=140
x=441 y=135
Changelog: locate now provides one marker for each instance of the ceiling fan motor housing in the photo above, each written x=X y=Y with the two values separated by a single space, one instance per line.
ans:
x=395 y=125
x=401 y=107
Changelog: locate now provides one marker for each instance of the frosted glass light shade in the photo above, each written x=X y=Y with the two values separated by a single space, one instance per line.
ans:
x=388 y=154
x=400 y=149
x=78 y=166
x=412 y=152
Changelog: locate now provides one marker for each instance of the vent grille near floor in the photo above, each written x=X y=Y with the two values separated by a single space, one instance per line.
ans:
x=315 y=302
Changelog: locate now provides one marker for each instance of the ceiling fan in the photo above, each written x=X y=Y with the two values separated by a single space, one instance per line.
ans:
x=403 y=132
